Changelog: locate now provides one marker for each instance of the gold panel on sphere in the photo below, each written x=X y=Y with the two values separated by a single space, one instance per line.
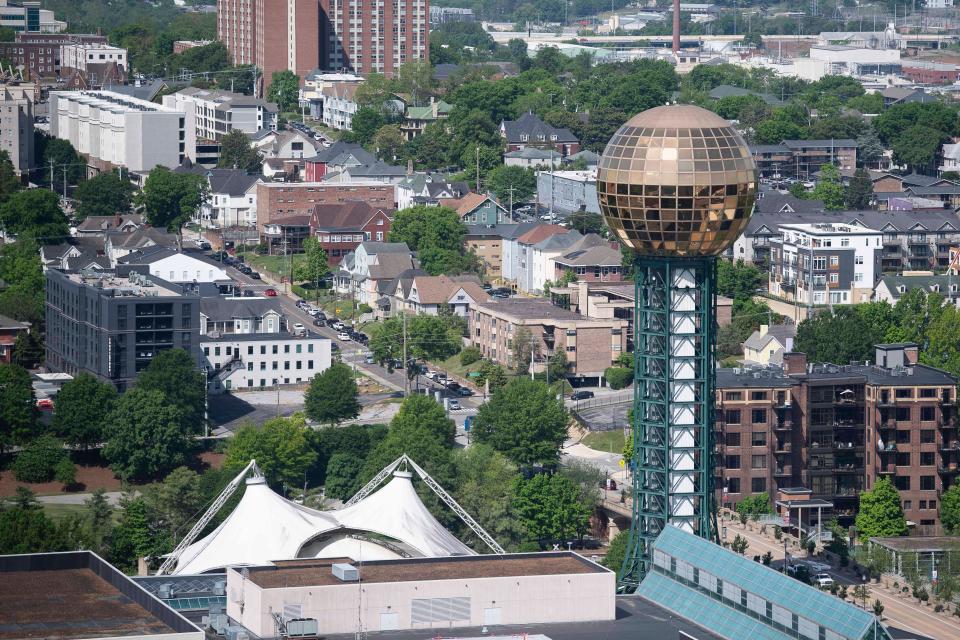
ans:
x=677 y=181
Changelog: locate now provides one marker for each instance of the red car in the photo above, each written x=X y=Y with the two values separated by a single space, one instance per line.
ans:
x=45 y=404
x=270 y=293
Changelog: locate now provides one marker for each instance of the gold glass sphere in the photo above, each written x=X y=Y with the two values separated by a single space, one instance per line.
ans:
x=677 y=181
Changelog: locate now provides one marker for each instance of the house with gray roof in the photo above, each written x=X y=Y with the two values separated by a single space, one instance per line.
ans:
x=532 y=157
x=232 y=201
x=767 y=344
x=727 y=91
x=892 y=287
x=428 y=188
x=530 y=131
x=366 y=272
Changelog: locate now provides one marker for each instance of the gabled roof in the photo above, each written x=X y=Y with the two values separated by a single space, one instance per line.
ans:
x=929 y=283
x=375 y=168
x=540 y=232
x=432 y=111
x=105 y=223
x=232 y=182
x=470 y=203
x=949 y=189
x=533 y=153
x=380 y=248
x=390 y=265
x=601 y=255
x=439 y=289
x=341 y=153
x=347 y=216
x=143 y=237
x=220 y=309
x=778 y=332
x=533 y=127
x=586 y=155
x=919 y=180
x=559 y=241
x=773 y=202
x=809 y=144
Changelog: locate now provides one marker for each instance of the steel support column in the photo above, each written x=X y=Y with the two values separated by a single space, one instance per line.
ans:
x=673 y=404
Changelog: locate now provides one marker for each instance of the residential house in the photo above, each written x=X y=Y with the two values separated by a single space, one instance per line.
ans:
x=892 y=287
x=10 y=330
x=376 y=172
x=428 y=188
x=530 y=131
x=314 y=85
x=568 y=191
x=429 y=294
x=825 y=263
x=366 y=272
x=341 y=228
x=589 y=158
x=339 y=105
x=532 y=158
x=903 y=95
x=335 y=158
x=233 y=199
x=597 y=263
x=288 y=144
x=100 y=225
x=173 y=266
x=117 y=245
x=517 y=260
x=417 y=118
x=950 y=154
x=82 y=252
x=248 y=343
x=284 y=236
x=946 y=192
x=487 y=243
x=767 y=344
x=545 y=252
x=590 y=345
x=475 y=208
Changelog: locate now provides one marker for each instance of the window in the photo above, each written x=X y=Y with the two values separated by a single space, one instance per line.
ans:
x=902 y=483
x=908 y=504
x=732 y=416
x=820 y=262
x=733 y=485
x=758 y=462
x=844 y=242
x=928 y=436
x=758 y=485
x=858 y=260
x=759 y=439
x=286 y=348
x=903 y=414
x=263 y=349
x=250 y=350
x=734 y=396
x=903 y=436
x=927 y=459
x=758 y=395
x=759 y=416
x=928 y=483
x=732 y=439
x=903 y=459
x=928 y=414
x=732 y=462
x=216 y=351
x=834 y=278
x=904 y=393
x=834 y=261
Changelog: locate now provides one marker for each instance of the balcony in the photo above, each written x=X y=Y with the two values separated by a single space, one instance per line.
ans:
x=781 y=448
x=948 y=470
x=847 y=446
x=782 y=471
x=845 y=492
x=886 y=401
x=786 y=425
x=888 y=470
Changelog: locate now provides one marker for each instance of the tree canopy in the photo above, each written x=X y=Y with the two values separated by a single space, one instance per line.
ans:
x=105 y=195
x=171 y=199
x=79 y=410
x=35 y=213
x=173 y=373
x=18 y=413
x=281 y=448
x=236 y=152
x=332 y=396
x=550 y=507
x=880 y=513
x=284 y=89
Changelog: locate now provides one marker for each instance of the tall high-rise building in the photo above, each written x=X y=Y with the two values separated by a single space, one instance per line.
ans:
x=363 y=36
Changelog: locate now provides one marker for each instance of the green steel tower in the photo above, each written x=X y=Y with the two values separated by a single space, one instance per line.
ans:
x=676 y=184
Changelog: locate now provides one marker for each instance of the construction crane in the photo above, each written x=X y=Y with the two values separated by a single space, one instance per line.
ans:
x=385 y=473
x=205 y=519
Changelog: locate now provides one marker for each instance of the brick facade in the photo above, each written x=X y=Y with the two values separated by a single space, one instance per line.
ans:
x=277 y=200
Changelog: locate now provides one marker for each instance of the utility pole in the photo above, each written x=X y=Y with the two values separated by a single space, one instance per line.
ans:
x=51 y=175
x=478 y=168
x=511 y=202
x=406 y=383
x=64 y=183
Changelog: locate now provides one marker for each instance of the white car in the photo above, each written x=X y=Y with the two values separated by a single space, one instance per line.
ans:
x=430 y=375
x=343 y=335
x=454 y=405
x=299 y=329
x=338 y=326
x=823 y=580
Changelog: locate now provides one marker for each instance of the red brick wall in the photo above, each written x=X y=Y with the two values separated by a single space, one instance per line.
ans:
x=279 y=200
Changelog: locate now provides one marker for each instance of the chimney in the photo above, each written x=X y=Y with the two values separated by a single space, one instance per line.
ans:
x=910 y=354
x=410 y=167
x=794 y=363
x=764 y=329
x=676 y=26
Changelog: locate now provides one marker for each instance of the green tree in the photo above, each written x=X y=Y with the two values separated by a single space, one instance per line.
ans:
x=828 y=189
x=755 y=505
x=739 y=544
x=105 y=195
x=493 y=375
x=423 y=227
x=943 y=340
x=332 y=396
x=66 y=162
x=840 y=335
x=422 y=445
x=176 y=500
x=18 y=413
x=98 y=514
x=37 y=461
x=524 y=421
x=171 y=199
x=236 y=152
x=437 y=261
x=878 y=608
x=425 y=413
x=137 y=534
x=9 y=182
x=25 y=529
x=917 y=147
x=79 y=410
x=616 y=552
x=284 y=90
x=950 y=510
x=376 y=92
x=880 y=513
x=600 y=127
x=738 y=279
x=342 y=477
x=587 y=222
x=28 y=350
x=524 y=350
x=354 y=440
x=35 y=213
x=146 y=435
x=174 y=373
x=618 y=377
x=65 y=472
x=869 y=148
x=387 y=143
x=315 y=266
x=21 y=270
x=775 y=130
x=859 y=192
x=503 y=178
x=550 y=507
x=282 y=449
x=365 y=124
x=484 y=487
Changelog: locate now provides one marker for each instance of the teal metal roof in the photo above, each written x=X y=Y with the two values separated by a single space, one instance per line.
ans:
x=822 y=608
x=705 y=611
x=195 y=604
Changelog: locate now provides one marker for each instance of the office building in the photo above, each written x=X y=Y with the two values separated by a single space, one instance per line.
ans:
x=825 y=262
x=113 y=130
x=835 y=429
x=28 y=17
x=112 y=324
x=589 y=344
x=16 y=124
x=218 y=113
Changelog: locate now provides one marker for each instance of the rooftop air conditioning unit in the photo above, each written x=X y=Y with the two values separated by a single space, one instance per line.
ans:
x=345 y=572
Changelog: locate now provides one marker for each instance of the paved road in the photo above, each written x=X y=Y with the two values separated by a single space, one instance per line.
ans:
x=897 y=612
x=113 y=497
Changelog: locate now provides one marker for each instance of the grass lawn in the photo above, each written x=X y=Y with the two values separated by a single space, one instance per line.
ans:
x=609 y=441
x=274 y=265
x=60 y=511
x=452 y=365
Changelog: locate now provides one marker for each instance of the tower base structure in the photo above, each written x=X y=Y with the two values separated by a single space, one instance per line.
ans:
x=673 y=405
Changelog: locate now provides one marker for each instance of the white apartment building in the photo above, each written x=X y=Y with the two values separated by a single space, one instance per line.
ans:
x=176 y=267
x=247 y=343
x=232 y=201
x=115 y=130
x=81 y=56
x=568 y=191
x=339 y=105
x=825 y=263
x=16 y=125
x=316 y=83
x=217 y=113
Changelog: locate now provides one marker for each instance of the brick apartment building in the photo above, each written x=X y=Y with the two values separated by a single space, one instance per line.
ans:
x=341 y=228
x=836 y=429
x=40 y=53
x=803 y=158
x=930 y=72
x=276 y=200
x=590 y=344
x=363 y=36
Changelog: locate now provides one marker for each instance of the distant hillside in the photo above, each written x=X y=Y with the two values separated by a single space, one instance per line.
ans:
x=89 y=15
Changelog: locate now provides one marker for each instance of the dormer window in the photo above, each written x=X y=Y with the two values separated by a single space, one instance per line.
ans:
x=541 y=137
x=553 y=137
x=524 y=137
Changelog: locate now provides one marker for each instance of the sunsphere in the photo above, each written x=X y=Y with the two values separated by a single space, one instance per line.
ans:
x=677 y=181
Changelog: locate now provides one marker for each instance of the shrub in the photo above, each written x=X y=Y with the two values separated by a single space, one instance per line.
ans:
x=38 y=460
x=363 y=308
x=65 y=472
x=618 y=377
x=469 y=355
x=777 y=532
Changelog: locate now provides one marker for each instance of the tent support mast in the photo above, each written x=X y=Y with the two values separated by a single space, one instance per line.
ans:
x=385 y=473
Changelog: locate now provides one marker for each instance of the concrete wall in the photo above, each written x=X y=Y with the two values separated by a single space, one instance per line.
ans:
x=512 y=600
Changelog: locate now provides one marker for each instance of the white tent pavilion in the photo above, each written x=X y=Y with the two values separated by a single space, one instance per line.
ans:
x=265 y=527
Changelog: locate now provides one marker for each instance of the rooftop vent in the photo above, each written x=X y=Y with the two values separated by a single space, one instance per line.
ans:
x=345 y=572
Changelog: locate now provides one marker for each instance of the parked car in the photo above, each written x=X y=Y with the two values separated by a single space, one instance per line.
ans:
x=332 y=322
x=343 y=335
x=339 y=326
x=270 y=293
x=609 y=484
x=581 y=395
x=465 y=392
x=368 y=359
x=453 y=386
x=823 y=580
x=45 y=404
x=299 y=329
x=454 y=405
x=318 y=322
x=254 y=275
x=430 y=375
